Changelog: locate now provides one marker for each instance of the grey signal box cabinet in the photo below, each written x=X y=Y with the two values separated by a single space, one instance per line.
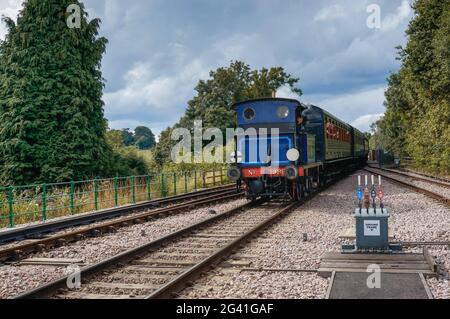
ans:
x=372 y=229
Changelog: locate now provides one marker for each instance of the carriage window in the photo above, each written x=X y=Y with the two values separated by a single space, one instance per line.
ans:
x=283 y=112
x=249 y=114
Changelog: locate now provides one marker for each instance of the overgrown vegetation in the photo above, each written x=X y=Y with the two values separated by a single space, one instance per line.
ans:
x=52 y=124
x=417 y=120
x=129 y=160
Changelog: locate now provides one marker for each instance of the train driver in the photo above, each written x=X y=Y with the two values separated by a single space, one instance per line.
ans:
x=301 y=122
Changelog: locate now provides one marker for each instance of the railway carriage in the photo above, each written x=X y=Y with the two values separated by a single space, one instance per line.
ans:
x=288 y=149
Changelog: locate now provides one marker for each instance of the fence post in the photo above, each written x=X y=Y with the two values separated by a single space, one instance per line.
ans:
x=133 y=189
x=175 y=183
x=72 y=195
x=214 y=177
x=221 y=176
x=149 y=187
x=162 y=185
x=195 y=180
x=116 y=191
x=185 y=182
x=44 y=202
x=204 y=179
x=95 y=195
x=11 y=206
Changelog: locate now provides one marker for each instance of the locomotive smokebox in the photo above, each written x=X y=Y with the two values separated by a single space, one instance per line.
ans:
x=256 y=187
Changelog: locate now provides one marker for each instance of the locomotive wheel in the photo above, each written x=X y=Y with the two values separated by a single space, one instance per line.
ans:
x=299 y=190
x=296 y=191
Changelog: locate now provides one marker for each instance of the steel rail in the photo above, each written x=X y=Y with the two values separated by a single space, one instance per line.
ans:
x=438 y=178
x=129 y=255
x=424 y=243
x=438 y=197
x=33 y=231
x=169 y=289
x=423 y=179
x=16 y=252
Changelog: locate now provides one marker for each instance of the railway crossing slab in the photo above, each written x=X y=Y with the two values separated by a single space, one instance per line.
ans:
x=353 y=285
x=377 y=276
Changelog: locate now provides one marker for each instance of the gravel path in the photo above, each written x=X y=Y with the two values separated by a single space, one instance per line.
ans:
x=414 y=218
x=17 y=279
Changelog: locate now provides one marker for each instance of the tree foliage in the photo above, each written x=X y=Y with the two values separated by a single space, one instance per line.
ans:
x=417 y=121
x=128 y=138
x=127 y=159
x=144 y=138
x=52 y=125
x=214 y=97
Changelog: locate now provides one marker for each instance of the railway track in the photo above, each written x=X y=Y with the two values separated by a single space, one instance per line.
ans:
x=162 y=267
x=425 y=243
x=33 y=231
x=425 y=178
x=42 y=241
x=441 y=179
x=415 y=188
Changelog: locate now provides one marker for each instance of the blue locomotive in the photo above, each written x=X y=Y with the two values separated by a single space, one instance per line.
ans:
x=310 y=148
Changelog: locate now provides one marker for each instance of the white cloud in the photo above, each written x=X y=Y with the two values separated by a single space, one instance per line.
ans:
x=8 y=8
x=286 y=92
x=145 y=93
x=364 y=122
x=330 y=13
x=392 y=21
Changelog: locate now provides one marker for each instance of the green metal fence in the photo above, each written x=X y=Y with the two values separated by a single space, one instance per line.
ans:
x=34 y=203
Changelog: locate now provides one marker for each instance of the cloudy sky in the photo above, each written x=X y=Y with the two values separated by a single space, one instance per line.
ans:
x=159 y=49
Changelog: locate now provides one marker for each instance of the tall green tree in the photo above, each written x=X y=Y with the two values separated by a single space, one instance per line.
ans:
x=417 y=121
x=52 y=125
x=228 y=85
x=215 y=96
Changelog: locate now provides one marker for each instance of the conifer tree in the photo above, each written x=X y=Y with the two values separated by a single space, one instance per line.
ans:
x=52 y=125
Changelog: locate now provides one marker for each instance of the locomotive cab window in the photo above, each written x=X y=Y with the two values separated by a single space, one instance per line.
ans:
x=249 y=114
x=283 y=112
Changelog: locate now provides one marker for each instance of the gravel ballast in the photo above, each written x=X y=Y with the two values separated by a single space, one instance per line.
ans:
x=17 y=279
x=414 y=218
x=297 y=242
